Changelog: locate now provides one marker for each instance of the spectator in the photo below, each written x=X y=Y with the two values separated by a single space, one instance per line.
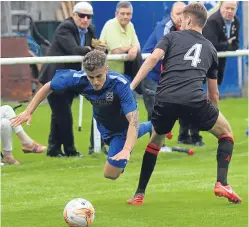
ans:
x=28 y=144
x=222 y=29
x=120 y=37
x=150 y=83
x=72 y=37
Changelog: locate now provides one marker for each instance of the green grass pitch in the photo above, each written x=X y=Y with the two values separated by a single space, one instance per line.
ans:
x=180 y=193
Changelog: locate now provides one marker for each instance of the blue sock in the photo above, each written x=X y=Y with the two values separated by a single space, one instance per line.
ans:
x=144 y=128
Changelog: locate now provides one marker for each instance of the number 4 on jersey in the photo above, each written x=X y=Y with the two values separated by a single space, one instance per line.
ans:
x=195 y=59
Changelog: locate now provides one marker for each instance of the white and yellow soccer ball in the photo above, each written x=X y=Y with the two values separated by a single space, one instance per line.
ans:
x=79 y=213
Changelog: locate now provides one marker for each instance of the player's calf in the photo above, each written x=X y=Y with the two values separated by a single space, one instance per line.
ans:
x=223 y=132
x=224 y=155
x=149 y=162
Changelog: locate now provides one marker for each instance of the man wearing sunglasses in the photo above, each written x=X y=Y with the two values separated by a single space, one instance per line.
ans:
x=72 y=37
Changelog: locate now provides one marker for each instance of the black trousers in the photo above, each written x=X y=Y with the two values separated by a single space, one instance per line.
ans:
x=222 y=65
x=185 y=127
x=61 y=128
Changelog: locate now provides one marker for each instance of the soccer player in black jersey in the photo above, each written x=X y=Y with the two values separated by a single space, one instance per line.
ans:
x=189 y=59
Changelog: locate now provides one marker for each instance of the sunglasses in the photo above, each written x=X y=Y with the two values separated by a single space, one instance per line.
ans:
x=83 y=15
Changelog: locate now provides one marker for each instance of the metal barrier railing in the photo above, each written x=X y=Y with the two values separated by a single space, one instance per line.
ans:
x=117 y=57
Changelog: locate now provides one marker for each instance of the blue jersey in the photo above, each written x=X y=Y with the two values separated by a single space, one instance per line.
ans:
x=110 y=104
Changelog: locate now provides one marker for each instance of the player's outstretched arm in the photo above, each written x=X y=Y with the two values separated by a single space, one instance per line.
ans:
x=213 y=92
x=26 y=116
x=147 y=66
x=131 y=137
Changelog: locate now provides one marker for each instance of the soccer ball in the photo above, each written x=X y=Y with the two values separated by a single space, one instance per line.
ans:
x=79 y=213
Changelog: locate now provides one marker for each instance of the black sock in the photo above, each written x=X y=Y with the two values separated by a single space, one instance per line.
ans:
x=224 y=155
x=149 y=162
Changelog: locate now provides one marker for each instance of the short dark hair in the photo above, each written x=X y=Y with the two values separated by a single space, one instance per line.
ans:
x=124 y=4
x=197 y=10
x=93 y=60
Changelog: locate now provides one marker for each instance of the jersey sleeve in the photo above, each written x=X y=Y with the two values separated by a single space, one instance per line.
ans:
x=64 y=79
x=127 y=100
x=164 y=43
x=213 y=70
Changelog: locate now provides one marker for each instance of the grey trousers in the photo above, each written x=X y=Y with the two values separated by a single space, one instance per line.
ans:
x=7 y=113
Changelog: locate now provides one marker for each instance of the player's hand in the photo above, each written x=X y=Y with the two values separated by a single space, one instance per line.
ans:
x=231 y=39
x=122 y=155
x=19 y=119
x=132 y=53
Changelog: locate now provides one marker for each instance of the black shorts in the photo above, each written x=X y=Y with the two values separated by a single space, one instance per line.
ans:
x=202 y=116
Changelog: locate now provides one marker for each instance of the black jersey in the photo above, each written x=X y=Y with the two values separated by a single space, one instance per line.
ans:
x=189 y=59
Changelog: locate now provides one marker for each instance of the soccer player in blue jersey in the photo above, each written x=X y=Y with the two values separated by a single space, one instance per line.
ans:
x=114 y=107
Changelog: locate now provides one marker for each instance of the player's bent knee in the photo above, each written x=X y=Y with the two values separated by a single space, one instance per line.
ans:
x=7 y=108
x=226 y=128
x=157 y=139
x=111 y=177
x=221 y=127
x=5 y=123
x=227 y=133
x=111 y=172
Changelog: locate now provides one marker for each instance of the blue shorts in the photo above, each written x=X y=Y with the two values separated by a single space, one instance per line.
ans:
x=116 y=145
